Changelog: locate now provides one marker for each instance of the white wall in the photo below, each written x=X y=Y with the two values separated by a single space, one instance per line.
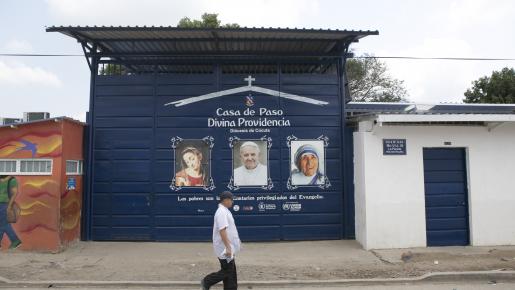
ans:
x=389 y=190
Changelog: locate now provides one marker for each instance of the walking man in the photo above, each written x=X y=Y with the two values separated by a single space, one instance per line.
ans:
x=8 y=212
x=226 y=244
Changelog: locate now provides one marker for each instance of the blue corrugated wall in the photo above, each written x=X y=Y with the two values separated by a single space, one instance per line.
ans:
x=132 y=163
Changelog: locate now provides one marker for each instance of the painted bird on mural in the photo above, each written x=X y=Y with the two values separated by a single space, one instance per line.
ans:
x=28 y=146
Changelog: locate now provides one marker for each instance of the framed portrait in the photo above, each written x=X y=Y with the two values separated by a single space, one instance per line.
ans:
x=250 y=163
x=192 y=163
x=307 y=162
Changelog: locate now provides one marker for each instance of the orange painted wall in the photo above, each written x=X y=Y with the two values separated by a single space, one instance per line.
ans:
x=71 y=198
x=48 y=213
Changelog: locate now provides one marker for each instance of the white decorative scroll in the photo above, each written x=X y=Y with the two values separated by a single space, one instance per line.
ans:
x=209 y=140
x=326 y=183
x=247 y=88
x=270 y=184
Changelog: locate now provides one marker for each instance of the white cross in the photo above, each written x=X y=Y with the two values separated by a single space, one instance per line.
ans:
x=249 y=79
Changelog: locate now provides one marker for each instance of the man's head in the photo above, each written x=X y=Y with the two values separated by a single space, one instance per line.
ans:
x=191 y=157
x=249 y=154
x=226 y=199
x=306 y=160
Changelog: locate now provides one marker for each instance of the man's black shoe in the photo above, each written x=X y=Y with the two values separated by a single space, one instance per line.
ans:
x=203 y=285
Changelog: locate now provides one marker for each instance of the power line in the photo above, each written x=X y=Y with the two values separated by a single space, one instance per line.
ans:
x=363 y=57
x=438 y=58
x=37 y=54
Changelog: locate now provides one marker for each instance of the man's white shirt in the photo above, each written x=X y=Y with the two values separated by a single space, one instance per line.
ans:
x=223 y=219
x=256 y=176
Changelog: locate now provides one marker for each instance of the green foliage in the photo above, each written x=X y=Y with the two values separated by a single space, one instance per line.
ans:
x=209 y=20
x=369 y=81
x=110 y=69
x=499 y=88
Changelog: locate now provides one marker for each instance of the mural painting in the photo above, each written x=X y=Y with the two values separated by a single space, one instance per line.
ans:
x=36 y=212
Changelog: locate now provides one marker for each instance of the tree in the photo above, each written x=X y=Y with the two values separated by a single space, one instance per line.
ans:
x=369 y=81
x=110 y=69
x=209 y=20
x=499 y=88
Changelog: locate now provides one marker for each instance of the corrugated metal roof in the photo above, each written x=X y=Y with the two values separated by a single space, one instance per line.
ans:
x=220 y=41
x=361 y=108
x=438 y=119
x=53 y=119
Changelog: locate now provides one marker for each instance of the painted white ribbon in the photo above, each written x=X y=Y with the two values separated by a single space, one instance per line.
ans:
x=245 y=89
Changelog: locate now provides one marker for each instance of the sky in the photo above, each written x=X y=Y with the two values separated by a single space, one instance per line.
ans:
x=438 y=28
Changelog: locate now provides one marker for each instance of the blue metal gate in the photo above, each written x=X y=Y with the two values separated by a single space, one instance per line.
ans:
x=133 y=160
x=445 y=177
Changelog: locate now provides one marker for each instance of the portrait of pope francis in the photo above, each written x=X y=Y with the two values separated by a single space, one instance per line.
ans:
x=250 y=168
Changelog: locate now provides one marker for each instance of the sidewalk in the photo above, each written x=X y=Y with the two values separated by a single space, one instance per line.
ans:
x=280 y=261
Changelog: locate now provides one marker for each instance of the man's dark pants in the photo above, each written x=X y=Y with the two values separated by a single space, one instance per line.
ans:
x=227 y=274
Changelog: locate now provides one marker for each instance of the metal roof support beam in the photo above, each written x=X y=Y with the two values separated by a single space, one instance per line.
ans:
x=89 y=53
x=345 y=52
x=89 y=50
x=95 y=45
x=85 y=49
x=105 y=49
x=83 y=39
x=226 y=61
x=221 y=39
x=247 y=54
x=217 y=40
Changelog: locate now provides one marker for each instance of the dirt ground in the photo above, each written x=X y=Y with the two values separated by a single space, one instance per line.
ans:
x=132 y=261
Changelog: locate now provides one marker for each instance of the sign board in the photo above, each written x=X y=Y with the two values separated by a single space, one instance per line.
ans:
x=394 y=146
x=71 y=183
x=275 y=158
x=273 y=140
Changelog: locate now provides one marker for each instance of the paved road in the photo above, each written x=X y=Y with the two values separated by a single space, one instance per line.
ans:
x=426 y=286
x=318 y=260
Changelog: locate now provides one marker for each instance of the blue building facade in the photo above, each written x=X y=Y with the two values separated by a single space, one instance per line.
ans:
x=179 y=115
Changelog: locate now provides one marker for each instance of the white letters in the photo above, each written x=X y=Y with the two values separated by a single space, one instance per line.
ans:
x=268 y=112
x=222 y=112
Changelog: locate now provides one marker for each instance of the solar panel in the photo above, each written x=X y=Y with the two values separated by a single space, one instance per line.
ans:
x=473 y=109
x=378 y=107
x=396 y=108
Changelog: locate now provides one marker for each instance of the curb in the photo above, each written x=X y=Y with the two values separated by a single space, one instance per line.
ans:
x=496 y=275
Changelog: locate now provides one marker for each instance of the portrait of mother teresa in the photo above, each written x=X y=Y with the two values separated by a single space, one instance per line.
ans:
x=307 y=169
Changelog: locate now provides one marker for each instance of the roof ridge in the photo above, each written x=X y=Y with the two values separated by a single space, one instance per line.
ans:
x=170 y=27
